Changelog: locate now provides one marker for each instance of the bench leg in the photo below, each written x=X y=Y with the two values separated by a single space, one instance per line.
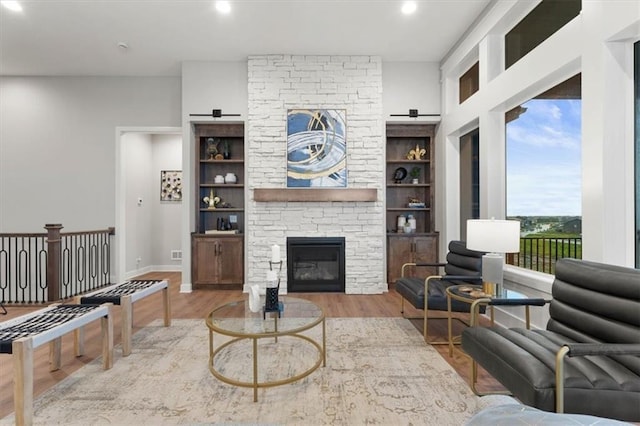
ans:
x=166 y=302
x=127 y=324
x=78 y=333
x=78 y=341
x=55 y=354
x=106 y=325
x=23 y=380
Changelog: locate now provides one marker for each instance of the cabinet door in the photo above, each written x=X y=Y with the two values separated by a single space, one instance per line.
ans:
x=425 y=249
x=399 y=252
x=205 y=261
x=230 y=261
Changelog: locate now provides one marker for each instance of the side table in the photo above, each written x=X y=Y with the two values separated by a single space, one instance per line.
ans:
x=474 y=296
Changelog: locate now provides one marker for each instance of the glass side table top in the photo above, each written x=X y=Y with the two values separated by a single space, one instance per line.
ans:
x=469 y=293
x=236 y=319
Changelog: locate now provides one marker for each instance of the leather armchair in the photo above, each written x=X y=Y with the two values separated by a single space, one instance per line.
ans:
x=463 y=266
x=587 y=360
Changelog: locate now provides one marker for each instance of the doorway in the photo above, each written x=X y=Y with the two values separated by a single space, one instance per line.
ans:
x=148 y=231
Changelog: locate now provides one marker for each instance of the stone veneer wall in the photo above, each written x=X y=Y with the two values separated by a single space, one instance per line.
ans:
x=354 y=83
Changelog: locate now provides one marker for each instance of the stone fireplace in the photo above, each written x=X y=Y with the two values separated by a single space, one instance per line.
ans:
x=315 y=264
x=277 y=83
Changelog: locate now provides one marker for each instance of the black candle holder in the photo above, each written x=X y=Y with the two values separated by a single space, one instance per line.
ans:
x=271 y=302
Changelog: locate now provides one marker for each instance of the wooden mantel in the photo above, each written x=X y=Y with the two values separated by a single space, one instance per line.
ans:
x=315 y=194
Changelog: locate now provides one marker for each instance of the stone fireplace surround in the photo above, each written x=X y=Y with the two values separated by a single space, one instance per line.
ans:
x=277 y=83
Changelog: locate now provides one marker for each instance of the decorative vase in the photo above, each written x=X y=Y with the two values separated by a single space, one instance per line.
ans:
x=254 y=298
x=226 y=152
x=230 y=178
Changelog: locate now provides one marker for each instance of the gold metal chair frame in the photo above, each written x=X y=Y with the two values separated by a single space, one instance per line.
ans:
x=425 y=316
x=475 y=312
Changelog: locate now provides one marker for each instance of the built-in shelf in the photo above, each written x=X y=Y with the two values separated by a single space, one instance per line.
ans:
x=315 y=194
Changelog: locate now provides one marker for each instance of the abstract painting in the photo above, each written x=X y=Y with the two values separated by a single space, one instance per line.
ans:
x=316 y=148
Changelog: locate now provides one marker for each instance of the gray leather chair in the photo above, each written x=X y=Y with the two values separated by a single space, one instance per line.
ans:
x=463 y=266
x=587 y=359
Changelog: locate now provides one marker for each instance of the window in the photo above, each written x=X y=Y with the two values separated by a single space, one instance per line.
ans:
x=469 y=82
x=547 y=18
x=469 y=179
x=543 y=169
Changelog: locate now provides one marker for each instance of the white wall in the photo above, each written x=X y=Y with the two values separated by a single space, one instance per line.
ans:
x=410 y=85
x=137 y=150
x=166 y=221
x=57 y=145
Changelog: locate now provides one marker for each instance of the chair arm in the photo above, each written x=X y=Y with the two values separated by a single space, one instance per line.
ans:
x=606 y=349
x=585 y=349
x=475 y=306
x=475 y=310
x=405 y=266
x=417 y=264
x=518 y=302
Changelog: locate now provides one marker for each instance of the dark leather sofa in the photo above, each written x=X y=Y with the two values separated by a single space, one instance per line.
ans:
x=592 y=340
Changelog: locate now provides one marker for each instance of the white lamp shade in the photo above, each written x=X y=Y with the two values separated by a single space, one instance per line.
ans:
x=494 y=236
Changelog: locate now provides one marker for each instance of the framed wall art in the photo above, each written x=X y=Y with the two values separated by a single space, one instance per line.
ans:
x=171 y=185
x=316 y=148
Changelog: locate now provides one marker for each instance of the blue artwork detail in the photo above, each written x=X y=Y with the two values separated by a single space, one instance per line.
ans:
x=316 y=148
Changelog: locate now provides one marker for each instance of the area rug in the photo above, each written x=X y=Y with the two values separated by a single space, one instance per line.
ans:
x=378 y=372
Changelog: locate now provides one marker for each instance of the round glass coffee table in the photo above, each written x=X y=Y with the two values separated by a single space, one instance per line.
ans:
x=236 y=320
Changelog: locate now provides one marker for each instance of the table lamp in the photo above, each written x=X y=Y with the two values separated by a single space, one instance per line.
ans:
x=494 y=237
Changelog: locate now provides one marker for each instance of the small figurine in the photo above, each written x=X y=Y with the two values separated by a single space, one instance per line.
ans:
x=212 y=200
x=417 y=153
x=212 y=148
x=399 y=174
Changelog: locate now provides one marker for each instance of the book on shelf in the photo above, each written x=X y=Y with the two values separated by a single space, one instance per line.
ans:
x=216 y=231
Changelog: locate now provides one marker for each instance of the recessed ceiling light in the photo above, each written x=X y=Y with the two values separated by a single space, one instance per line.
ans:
x=223 y=6
x=408 y=7
x=12 y=5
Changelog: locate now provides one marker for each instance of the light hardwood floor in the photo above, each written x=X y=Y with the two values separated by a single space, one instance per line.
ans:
x=197 y=305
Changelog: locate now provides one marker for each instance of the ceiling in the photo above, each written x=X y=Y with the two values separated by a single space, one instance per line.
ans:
x=80 y=37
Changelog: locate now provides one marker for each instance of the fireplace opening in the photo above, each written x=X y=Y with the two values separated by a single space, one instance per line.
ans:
x=315 y=264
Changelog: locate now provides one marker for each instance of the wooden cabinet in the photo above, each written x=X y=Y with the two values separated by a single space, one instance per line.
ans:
x=218 y=241
x=409 y=152
x=217 y=260
x=406 y=248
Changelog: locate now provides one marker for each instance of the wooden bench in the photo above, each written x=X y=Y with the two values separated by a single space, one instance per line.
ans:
x=21 y=335
x=126 y=294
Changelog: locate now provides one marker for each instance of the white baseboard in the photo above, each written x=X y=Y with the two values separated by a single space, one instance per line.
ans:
x=131 y=274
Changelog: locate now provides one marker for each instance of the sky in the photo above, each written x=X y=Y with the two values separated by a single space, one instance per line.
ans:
x=544 y=159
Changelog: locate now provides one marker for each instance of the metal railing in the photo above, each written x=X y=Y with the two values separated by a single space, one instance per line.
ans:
x=52 y=266
x=542 y=253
